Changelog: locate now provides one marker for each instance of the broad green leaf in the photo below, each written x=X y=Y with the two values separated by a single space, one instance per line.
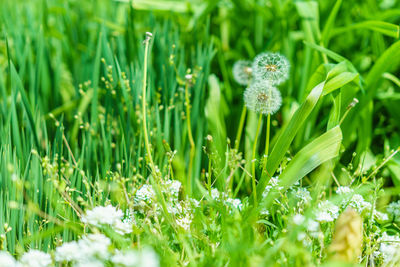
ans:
x=383 y=27
x=320 y=150
x=286 y=137
x=338 y=81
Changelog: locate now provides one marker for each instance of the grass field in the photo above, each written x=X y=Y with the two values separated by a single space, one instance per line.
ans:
x=199 y=133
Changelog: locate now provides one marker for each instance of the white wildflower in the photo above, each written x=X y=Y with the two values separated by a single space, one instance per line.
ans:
x=298 y=219
x=380 y=216
x=215 y=193
x=145 y=193
x=343 y=190
x=359 y=204
x=123 y=227
x=389 y=246
x=184 y=222
x=394 y=210
x=272 y=183
x=303 y=195
x=70 y=251
x=327 y=212
x=36 y=258
x=125 y=258
x=148 y=258
x=235 y=202
x=313 y=228
x=90 y=263
x=95 y=245
x=173 y=187
x=6 y=260
x=98 y=216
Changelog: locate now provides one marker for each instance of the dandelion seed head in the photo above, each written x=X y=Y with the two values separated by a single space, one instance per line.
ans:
x=262 y=97
x=272 y=67
x=242 y=71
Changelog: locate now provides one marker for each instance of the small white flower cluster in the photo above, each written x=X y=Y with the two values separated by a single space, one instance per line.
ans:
x=302 y=195
x=312 y=229
x=108 y=216
x=181 y=209
x=145 y=194
x=89 y=249
x=95 y=250
x=224 y=198
x=394 y=210
x=342 y=190
x=272 y=184
x=389 y=248
x=358 y=203
x=32 y=258
x=326 y=212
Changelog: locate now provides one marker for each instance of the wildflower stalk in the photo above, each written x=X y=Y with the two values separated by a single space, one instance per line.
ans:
x=146 y=137
x=191 y=141
x=253 y=164
x=240 y=129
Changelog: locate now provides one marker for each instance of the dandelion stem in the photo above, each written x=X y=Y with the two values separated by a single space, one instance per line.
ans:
x=240 y=129
x=191 y=141
x=253 y=163
x=146 y=137
x=267 y=140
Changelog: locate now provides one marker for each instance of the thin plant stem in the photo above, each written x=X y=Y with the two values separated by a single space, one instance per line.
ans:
x=267 y=141
x=240 y=129
x=191 y=141
x=253 y=163
x=146 y=137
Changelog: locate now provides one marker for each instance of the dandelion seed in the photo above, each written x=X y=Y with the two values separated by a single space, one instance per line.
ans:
x=242 y=71
x=262 y=97
x=272 y=67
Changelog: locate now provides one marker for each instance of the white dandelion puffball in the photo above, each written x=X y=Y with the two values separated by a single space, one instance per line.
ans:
x=272 y=67
x=262 y=97
x=242 y=71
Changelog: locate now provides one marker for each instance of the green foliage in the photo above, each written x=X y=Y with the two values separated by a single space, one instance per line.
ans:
x=71 y=121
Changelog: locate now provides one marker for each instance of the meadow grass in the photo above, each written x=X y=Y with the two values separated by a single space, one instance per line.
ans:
x=122 y=125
